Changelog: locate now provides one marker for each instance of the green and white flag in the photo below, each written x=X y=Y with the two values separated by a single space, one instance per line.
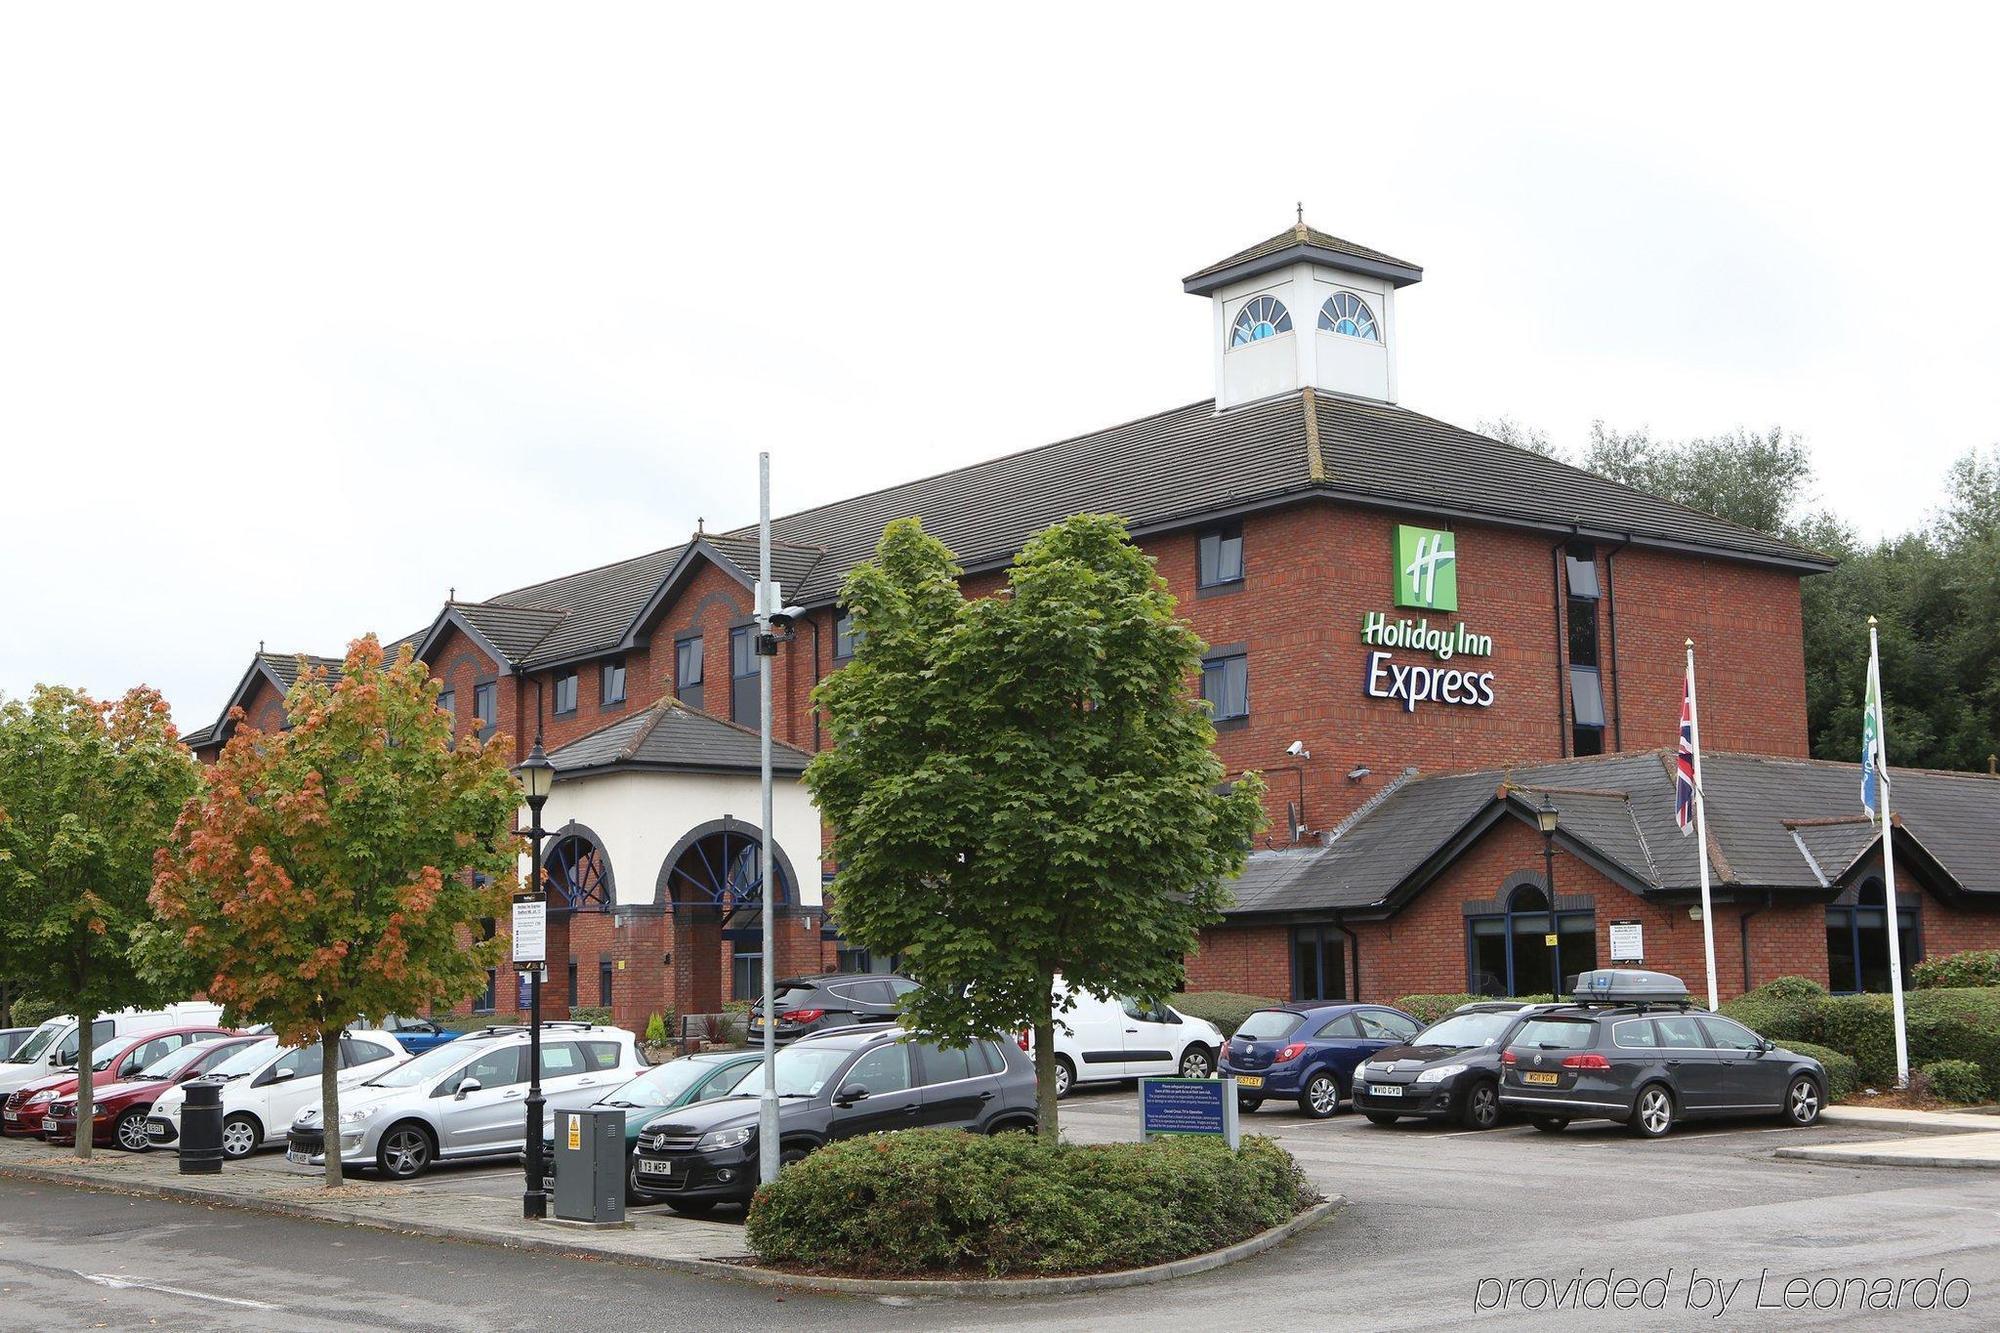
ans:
x=1871 y=738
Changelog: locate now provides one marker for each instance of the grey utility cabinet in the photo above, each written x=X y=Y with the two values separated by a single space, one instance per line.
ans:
x=590 y=1165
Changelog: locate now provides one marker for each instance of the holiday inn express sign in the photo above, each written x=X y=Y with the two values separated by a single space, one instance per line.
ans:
x=1426 y=578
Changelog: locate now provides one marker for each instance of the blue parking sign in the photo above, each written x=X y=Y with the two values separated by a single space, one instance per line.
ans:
x=1188 y=1106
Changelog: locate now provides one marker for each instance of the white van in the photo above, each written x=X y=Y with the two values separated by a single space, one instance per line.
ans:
x=55 y=1044
x=1102 y=1039
x=265 y=1085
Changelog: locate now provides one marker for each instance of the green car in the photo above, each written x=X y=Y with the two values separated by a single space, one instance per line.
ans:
x=692 y=1078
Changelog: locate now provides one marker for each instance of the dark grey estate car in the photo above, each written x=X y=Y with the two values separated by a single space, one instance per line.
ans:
x=835 y=1085
x=830 y=1000
x=1634 y=1050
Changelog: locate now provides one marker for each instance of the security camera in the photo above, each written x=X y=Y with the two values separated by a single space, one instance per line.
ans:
x=784 y=618
x=1297 y=750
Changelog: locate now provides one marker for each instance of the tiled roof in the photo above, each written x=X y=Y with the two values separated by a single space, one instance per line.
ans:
x=672 y=735
x=600 y=603
x=1619 y=808
x=1298 y=241
x=515 y=630
x=284 y=667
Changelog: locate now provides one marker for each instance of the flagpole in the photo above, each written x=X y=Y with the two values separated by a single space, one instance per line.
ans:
x=1701 y=835
x=1880 y=761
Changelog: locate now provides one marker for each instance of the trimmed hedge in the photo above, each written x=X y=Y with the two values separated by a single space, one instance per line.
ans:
x=598 y=1015
x=1946 y=1024
x=944 y=1201
x=1973 y=967
x=1428 y=1009
x=1956 y=1080
x=1843 y=1078
x=1225 y=1009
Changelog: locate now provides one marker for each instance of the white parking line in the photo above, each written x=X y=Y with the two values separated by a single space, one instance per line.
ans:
x=123 y=1281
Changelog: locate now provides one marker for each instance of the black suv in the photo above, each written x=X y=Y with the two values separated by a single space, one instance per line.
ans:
x=1634 y=1049
x=830 y=1000
x=834 y=1086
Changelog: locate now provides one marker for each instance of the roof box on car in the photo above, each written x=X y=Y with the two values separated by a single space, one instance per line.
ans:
x=1624 y=985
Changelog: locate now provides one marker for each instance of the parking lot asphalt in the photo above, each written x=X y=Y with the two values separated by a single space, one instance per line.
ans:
x=1442 y=1223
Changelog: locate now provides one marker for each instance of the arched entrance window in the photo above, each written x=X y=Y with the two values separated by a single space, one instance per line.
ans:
x=714 y=887
x=1857 y=939
x=1525 y=949
x=578 y=870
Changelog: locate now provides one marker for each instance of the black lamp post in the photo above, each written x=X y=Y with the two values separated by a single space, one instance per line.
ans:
x=537 y=775
x=1545 y=819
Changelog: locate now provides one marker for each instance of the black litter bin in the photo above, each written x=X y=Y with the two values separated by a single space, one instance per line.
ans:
x=201 y=1130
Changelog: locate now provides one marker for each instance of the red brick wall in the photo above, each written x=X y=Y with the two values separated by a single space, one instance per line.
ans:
x=1249 y=960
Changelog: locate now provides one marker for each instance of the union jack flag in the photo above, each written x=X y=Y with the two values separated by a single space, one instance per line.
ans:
x=1684 y=761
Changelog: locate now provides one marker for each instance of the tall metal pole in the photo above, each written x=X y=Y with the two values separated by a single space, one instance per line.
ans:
x=534 y=1203
x=767 y=1109
x=1701 y=834
x=1880 y=759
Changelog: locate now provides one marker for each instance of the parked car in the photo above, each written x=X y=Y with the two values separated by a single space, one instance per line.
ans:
x=11 y=1040
x=24 y=1109
x=833 y=1086
x=682 y=1082
x=464 y=1100
x=1104 y=1039
x=265 y=1084
x=1308 y=1051
x=56 y=1043
x=1633 y=1049
x=417 y=1035
x=1449 y=1071
x=120 y=1109
x=830 y=1000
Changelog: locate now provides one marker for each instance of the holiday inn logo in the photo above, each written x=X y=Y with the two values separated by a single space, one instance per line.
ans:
x=1426 y=568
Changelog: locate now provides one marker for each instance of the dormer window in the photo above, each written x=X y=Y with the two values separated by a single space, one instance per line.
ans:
x=1260 y=317
x=1346 y=313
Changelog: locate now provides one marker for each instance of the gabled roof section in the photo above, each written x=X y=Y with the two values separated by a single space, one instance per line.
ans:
x=506 y=633
x=600 y=604
x=1301 y=243
x=280 y=671
x=672 y=736
x=735 y=554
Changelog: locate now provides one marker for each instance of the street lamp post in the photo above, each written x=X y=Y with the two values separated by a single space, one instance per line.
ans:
x=537 y=775
x=1545 y=819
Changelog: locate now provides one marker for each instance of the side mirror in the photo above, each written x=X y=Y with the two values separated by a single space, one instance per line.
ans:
x=280 y=1075
x=1765 y=1045
x=466 y=1085
x=850 y=1094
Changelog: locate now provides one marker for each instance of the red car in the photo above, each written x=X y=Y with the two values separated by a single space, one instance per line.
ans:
x=119 y=1119
x=25 y=1108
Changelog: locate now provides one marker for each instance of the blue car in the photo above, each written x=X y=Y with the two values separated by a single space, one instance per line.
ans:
x=417 y=1035
x=1308 y=1051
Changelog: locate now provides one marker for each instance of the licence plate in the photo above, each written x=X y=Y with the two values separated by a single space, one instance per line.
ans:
x=650 y=1167
x=48 y=1122
x=1249 y=1080
x=12 y=1117
x=1385 y=1089
x=156 y=1131
x=297 y=1158
x=1548 y=1079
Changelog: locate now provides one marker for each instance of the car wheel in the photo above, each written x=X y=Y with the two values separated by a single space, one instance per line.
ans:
x=240 y=1137
x=130 y=1131
x=1482 y=1105
x=1065 y=1077
x=1653 y=1112
x=405 y=1151
x=792 y=1156
x=1804 y=1102
x=1248 y=1105
x=1196 y=1062
x=1320 y=1097
x=1381 y=1118
x=1549 y=1124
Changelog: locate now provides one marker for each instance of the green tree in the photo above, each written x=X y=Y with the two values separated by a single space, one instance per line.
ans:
x=1022 y=784
x=1758 y=480
x=88 y=794
x=337 y=869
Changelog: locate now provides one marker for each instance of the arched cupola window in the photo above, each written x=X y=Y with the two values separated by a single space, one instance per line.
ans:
x=1348 y=314
x=1260 y=317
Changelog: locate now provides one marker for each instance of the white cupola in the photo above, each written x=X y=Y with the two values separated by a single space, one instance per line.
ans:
x=1304 y=308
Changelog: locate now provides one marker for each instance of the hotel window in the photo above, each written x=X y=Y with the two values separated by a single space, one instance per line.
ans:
x=1220 y=559
x=448 y=702
x=605 y=971
x=1346 y=313
x=1261 y=317
x=484 y=1004
x=1508 y=953
x=611 y=684
x=573 y=1001
x=486 y=707
x=1857 y=939
x=743 y=695
x=687 y=670
x=566 y=694
x=746 y=975
x=845 y=636
x=1225 y=684
x=1319 y=968
x=1586 y=684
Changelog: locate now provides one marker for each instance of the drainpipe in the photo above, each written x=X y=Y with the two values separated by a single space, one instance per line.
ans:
x=1556 y=619
x=1743 y=925
x=814 y=622
x=1611 y=614
x=1353 y=957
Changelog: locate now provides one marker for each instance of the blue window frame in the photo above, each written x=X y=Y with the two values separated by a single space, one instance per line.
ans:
x=1261 y=317
x=566 y=694
x=745 y=702
x=1345 y=313
x=448 y=702
x=1507 y=953
x=845 y=637
x=611 y=684
x=1219 y=562
x=1857 y=939
x=486 y=707
x=688 y=670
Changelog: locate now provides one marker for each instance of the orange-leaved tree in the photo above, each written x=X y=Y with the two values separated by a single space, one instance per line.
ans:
x=340 y=868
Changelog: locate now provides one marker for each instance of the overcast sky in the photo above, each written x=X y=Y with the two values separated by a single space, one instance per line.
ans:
x=308 y=316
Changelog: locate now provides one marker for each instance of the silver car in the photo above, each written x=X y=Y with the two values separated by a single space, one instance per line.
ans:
x=467 y=1099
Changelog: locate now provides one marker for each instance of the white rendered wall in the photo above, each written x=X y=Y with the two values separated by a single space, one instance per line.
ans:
x=641 y=815
x=1331 y=361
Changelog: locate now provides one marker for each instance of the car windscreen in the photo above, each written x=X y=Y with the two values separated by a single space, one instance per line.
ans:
x=173 y=1062
x=432 y=1064
x=1269 y=1025
x=803 y=1070
x=246 y=1061
x=31 y=1049
x=1465 y=1030
x=1557 y=1034
x=661 y=1086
